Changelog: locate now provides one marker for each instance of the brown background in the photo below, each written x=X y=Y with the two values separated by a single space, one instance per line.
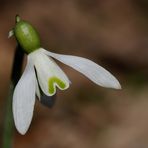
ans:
x=112 y=33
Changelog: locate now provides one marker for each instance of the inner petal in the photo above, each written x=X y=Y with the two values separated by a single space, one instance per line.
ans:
x=49 y=74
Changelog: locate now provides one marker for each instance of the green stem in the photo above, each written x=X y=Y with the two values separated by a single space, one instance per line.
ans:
x=8 y=123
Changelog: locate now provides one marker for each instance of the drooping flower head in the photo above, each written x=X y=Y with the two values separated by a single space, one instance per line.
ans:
x=43 y=74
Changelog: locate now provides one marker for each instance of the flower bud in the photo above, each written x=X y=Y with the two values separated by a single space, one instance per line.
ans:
x=26 y=35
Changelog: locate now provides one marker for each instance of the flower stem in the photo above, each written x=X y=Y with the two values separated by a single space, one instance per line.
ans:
x=15 y=75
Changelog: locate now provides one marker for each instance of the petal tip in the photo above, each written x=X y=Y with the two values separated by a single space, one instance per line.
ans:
x=116 y=85
x=21 y=130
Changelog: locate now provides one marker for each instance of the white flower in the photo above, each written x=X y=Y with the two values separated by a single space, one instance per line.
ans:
x=42 y=73
x=41 y=69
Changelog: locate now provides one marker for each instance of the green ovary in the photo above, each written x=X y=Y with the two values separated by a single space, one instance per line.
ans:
x=58 y=82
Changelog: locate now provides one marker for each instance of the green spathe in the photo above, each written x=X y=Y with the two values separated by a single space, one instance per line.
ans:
x=55 y=81
x=26 y=35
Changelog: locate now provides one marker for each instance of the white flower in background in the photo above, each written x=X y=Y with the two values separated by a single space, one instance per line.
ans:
x=42 y=72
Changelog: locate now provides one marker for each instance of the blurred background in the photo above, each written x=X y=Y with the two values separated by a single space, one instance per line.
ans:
x=114 y=34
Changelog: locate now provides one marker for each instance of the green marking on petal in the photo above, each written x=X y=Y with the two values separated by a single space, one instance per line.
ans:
x=58 y=82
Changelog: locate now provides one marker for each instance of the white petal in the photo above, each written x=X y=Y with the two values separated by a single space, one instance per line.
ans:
x=48 y=73
x=24 y=99
x=91 y=70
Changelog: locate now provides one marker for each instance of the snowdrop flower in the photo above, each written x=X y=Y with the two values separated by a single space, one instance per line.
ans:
x=43 y=73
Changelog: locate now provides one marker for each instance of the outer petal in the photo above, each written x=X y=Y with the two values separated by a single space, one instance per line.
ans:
x=91 y=70
x=49 y=74
x=24 y=99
